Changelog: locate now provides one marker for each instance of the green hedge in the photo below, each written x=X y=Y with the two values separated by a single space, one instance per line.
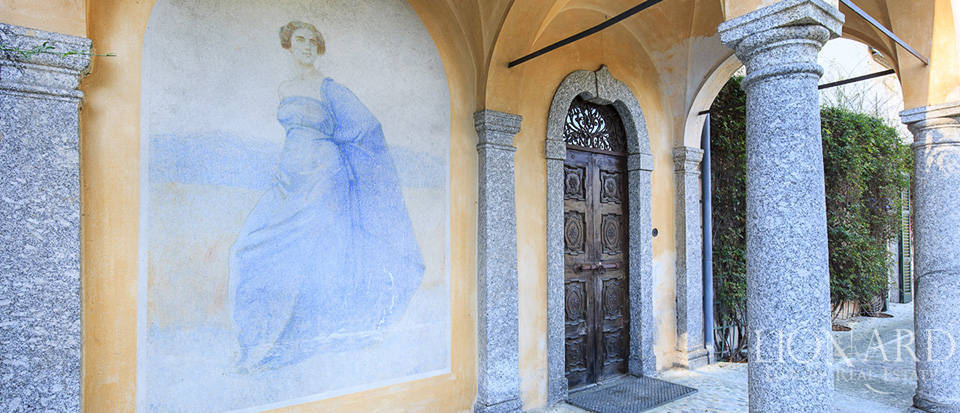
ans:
x=728 y=158
x=865 y=168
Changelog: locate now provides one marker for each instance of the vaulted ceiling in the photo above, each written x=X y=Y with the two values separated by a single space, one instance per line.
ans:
x=492 y=32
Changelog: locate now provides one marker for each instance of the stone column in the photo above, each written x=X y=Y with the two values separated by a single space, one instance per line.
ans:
x=936 y=218
x=689 y=258
x=40 y=303
x=556 y=153
x=788 y=286
x=642 y=360
x=498 y=370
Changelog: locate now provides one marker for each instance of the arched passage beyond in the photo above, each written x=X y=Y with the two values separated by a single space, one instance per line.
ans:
x=602 y=88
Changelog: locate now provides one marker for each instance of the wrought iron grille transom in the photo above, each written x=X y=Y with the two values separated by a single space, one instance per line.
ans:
x=594 y=126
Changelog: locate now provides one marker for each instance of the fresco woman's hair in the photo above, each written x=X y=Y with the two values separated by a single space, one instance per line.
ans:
x=286 y=32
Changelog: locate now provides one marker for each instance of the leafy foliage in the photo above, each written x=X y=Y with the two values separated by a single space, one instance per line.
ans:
x=865 y=168
x=9 y=51
x=865 y=165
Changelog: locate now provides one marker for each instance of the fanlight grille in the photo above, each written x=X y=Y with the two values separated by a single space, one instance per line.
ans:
x=594 y=126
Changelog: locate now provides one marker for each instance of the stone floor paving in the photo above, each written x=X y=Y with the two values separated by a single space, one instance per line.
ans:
x=875 y=372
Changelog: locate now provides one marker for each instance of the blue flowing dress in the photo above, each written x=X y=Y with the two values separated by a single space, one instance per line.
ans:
x=327 y=258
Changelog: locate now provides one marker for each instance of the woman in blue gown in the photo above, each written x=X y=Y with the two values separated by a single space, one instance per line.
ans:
x=327 y=258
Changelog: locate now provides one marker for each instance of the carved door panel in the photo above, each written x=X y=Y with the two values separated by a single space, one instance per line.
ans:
x=595 y=266
x=580 y=345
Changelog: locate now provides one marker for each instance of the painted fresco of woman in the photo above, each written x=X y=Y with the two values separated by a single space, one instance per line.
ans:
x=327 y=258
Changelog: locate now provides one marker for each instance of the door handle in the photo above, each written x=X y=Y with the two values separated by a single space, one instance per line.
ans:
x=600 y=266
x=588 y=267
x=613 y=266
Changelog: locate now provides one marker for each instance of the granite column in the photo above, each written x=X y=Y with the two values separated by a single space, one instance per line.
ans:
x=788 y=287
x=498 y=370
x=40 y=304
x=643 y=361
x=936 y=218
x=556 y=154
x=689 y=258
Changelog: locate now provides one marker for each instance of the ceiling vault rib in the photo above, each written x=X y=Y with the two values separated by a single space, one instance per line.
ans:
x=593 y=30
x=873 y=22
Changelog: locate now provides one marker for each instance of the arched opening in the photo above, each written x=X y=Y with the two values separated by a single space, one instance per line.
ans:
x=878 y=97
x=599 y=91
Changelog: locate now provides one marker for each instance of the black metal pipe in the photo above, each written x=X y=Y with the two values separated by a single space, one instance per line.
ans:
x=606 y=23
x=873 y=22
x=838 y=83
x=707 y=217
x=856 y=79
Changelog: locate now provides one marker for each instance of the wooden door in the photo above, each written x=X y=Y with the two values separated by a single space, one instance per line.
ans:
x=595 y=266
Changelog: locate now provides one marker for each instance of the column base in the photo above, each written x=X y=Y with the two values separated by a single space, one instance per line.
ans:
x=931 y=406
x=509 y=406
x=642 y=366
x=695 y=359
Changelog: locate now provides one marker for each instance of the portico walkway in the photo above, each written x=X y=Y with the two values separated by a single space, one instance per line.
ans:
x=874 y=380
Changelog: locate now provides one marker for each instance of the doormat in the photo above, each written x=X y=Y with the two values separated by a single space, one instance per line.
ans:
x=628 y=394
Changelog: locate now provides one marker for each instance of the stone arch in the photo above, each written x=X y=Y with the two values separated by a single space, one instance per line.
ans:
x=602 y=88
x=718 y=77
x=708 y=92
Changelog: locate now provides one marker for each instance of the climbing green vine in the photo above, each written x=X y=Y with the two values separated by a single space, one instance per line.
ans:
x=45 y=48
x=10 y=51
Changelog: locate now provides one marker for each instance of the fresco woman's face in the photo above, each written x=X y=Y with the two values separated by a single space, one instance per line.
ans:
x=303 y=46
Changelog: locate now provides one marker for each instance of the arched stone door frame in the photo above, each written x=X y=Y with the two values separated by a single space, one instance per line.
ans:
x=602 y=88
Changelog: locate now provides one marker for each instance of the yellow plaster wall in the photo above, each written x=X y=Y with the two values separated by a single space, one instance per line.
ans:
x=930 y=27
x=664 y=55
x=110 y=181
x=944 y=69
x=110 y=151
x=62 y=16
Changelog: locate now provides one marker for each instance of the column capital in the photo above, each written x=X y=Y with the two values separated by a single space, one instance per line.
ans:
x=944 y=115
x=687 y=159
x=53 y=73
x=783 y=38
x=936 y=136
x=496 y=129
x=785 y=13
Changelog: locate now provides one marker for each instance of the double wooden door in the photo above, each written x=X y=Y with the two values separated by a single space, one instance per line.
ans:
x=595 y=266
